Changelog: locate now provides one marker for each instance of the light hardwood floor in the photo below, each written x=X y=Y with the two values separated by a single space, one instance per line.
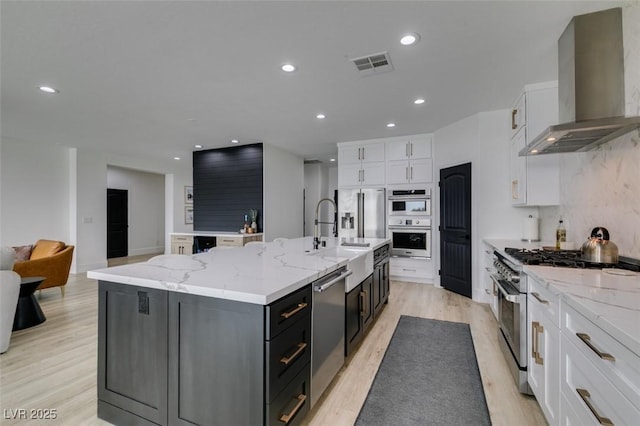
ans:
x=53 y=365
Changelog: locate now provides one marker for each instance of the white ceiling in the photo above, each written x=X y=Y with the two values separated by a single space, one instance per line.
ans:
x=154 y=78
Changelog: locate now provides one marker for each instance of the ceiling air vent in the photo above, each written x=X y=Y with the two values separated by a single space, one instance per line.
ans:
x=373 y=64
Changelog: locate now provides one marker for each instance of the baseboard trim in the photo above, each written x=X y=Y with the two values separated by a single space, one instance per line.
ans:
x=146 y=250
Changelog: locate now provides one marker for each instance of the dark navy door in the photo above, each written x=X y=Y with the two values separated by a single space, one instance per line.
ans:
x=455 y=229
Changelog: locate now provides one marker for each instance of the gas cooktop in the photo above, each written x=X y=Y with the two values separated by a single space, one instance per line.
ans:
x=565 y=258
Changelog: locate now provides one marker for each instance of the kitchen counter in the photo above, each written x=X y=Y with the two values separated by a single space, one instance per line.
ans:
x=610 y=301
x=214 y=234
x=258 y=274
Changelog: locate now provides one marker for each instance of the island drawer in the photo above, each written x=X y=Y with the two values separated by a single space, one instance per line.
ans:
x=284 y=312
x=609 y=356
x=292 y=405
x=286 y=355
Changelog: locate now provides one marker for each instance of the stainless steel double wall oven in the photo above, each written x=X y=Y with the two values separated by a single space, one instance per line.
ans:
x=409 y=222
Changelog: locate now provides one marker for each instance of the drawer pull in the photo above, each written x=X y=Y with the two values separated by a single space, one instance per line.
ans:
x=513 y=119
x=298 y=351
x=587 y=341
x=537 y=296
x=286 y=418
x=301 y=306
x=229 y=241
x=536 y=329
x=585 y=395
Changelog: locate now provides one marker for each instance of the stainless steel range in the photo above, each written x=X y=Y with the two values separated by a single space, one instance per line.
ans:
x=511 y=283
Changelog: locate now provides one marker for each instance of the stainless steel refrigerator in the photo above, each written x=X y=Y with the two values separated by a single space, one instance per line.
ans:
x=362 y=213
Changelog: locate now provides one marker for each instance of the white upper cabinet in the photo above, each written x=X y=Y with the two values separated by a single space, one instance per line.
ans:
x=535 y=180
x=379 y=162
x=358 y=153
x=409 y=160
x=361 y=164
x=411 y=147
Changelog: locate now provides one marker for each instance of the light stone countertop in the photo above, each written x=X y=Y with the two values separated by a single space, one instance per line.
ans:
x=255 y=273
x=215 y=234
x=610 y=301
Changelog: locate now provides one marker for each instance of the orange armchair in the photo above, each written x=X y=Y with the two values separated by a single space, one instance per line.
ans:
x=49 y=259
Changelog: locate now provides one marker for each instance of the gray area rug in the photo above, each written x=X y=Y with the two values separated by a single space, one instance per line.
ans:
x=429 y=376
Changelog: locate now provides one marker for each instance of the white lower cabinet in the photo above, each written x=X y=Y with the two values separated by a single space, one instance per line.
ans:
x=543 y=368
x=411 y=269
x=600 y=378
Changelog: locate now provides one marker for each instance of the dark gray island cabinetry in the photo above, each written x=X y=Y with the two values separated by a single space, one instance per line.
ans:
x=173 y=358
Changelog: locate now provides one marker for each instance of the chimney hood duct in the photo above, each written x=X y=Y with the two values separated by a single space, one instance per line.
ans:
x=591 y=88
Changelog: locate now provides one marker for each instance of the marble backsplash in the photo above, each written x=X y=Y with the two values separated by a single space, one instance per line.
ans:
x=600 y=188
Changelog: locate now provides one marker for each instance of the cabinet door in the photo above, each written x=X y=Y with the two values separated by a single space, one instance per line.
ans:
x=132 y=353
x=397 y=171
x=350 y=154
x=377 y=290
x=420 y=148
x=372 y=152
x=216 y=373
x=353 y=320
x=397 y=150
x=421 y=171
x=518 y=170
x=544 y=362
x=367 y=302
x=349 y=174
x=373 y=173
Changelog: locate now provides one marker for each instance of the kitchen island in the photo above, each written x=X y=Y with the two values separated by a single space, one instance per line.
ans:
x=215 y=338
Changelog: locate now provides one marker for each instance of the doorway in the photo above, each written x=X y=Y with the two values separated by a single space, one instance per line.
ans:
x=117 y=223
x=455 y=229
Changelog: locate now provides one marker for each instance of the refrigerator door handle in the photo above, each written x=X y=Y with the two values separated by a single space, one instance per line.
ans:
x=360 y=215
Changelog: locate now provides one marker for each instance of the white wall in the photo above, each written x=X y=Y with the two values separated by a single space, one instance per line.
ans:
x=145 y=208
x=482 y=140
x=60 y=193
x=34 y=188
x=317 y=179
x=283 y=193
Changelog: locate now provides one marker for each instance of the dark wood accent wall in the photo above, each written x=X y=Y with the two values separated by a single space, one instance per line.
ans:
x=227 y=184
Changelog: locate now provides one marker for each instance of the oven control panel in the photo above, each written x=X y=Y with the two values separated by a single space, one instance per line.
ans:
x=410 y=222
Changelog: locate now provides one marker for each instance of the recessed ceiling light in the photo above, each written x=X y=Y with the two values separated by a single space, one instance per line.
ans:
x=332 y=159
x=176 y=158
x=288 y=68
x=234 y=140
x=534 y=151
x=419 y=101
x=551 y=139
x=391 y=124
x=320 y=116
x=47 y=89
x=409 y=39
x=197 y=146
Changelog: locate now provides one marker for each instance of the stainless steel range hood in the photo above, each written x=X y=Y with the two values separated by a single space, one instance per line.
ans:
x=591 y=88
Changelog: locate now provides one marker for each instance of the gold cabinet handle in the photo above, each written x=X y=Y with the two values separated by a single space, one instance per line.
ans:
x=514 y=112
x=286 y=418
x=585 y=395
x=293 y=356
x=537 y=296
x=536 y=329
x=294 y=311
x=587 y=341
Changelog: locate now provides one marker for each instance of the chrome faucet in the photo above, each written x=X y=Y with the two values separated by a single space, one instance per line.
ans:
x=316 y=230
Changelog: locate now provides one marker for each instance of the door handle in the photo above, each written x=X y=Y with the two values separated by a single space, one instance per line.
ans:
x=514 y=112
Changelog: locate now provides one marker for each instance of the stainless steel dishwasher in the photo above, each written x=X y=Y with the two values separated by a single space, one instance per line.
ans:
x=327 y=330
